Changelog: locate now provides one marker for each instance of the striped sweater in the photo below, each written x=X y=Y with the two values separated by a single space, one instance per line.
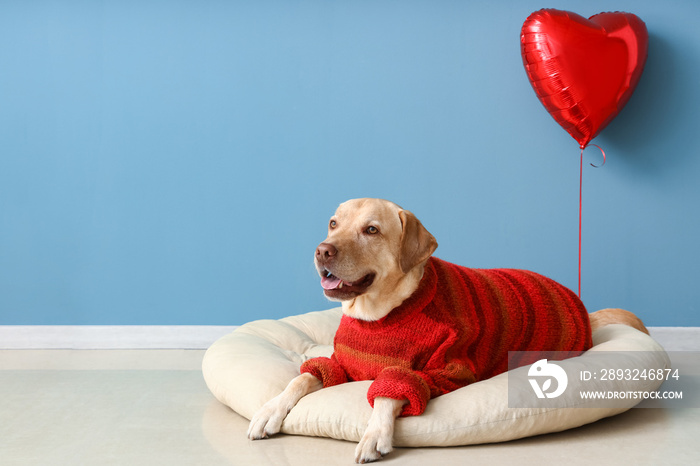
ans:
x=456 y=329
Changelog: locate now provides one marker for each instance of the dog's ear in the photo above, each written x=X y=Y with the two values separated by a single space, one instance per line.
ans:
x=417 y=244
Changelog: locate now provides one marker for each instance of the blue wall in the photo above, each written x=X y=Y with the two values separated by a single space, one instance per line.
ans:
x=175 y=162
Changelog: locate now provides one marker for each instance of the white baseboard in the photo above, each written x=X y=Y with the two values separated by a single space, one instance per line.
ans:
x=202 y=336
x=677 y=338
x=111 y=336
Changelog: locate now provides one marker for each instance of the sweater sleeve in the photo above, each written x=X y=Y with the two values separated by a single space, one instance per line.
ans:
x=327 y=370
x=418 y=387
x=400 y=383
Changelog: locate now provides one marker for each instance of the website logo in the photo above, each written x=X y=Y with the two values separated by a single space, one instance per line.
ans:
x=546 y=372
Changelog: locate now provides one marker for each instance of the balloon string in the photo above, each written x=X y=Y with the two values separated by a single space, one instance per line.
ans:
x=580 y=221
x=580 y=209
x=601 y=150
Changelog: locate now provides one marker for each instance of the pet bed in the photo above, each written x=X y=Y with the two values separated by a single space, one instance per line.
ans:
x=253 y=364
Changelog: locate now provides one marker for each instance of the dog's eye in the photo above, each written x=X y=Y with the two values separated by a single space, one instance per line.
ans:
x=372 y=230
x=333 y=224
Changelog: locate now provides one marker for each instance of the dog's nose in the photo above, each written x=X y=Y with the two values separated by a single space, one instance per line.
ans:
x=325 y=251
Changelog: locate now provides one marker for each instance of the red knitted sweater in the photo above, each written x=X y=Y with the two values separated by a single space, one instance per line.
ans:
x=456 y=329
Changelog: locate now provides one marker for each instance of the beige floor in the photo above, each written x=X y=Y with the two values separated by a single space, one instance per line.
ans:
x=151 y=407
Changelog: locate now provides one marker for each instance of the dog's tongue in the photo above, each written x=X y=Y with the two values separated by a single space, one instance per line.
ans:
x=330 y=283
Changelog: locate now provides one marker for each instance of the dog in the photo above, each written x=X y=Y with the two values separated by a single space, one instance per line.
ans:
x=420 y=327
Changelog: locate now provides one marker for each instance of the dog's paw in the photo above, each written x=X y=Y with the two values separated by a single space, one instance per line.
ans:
x=375 y=443
x=268 y=420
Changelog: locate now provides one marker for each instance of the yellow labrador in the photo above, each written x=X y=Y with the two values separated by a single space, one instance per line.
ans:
x=372 y=261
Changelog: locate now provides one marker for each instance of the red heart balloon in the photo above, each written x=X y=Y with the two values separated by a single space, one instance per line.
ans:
x=583 y=70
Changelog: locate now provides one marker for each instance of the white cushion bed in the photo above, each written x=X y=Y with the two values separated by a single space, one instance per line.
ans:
x=253 y=364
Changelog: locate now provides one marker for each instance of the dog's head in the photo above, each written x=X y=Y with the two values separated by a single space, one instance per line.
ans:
x=373 y=256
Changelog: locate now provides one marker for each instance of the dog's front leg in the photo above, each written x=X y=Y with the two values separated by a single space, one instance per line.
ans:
x=268 y=419
x=377 y=440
